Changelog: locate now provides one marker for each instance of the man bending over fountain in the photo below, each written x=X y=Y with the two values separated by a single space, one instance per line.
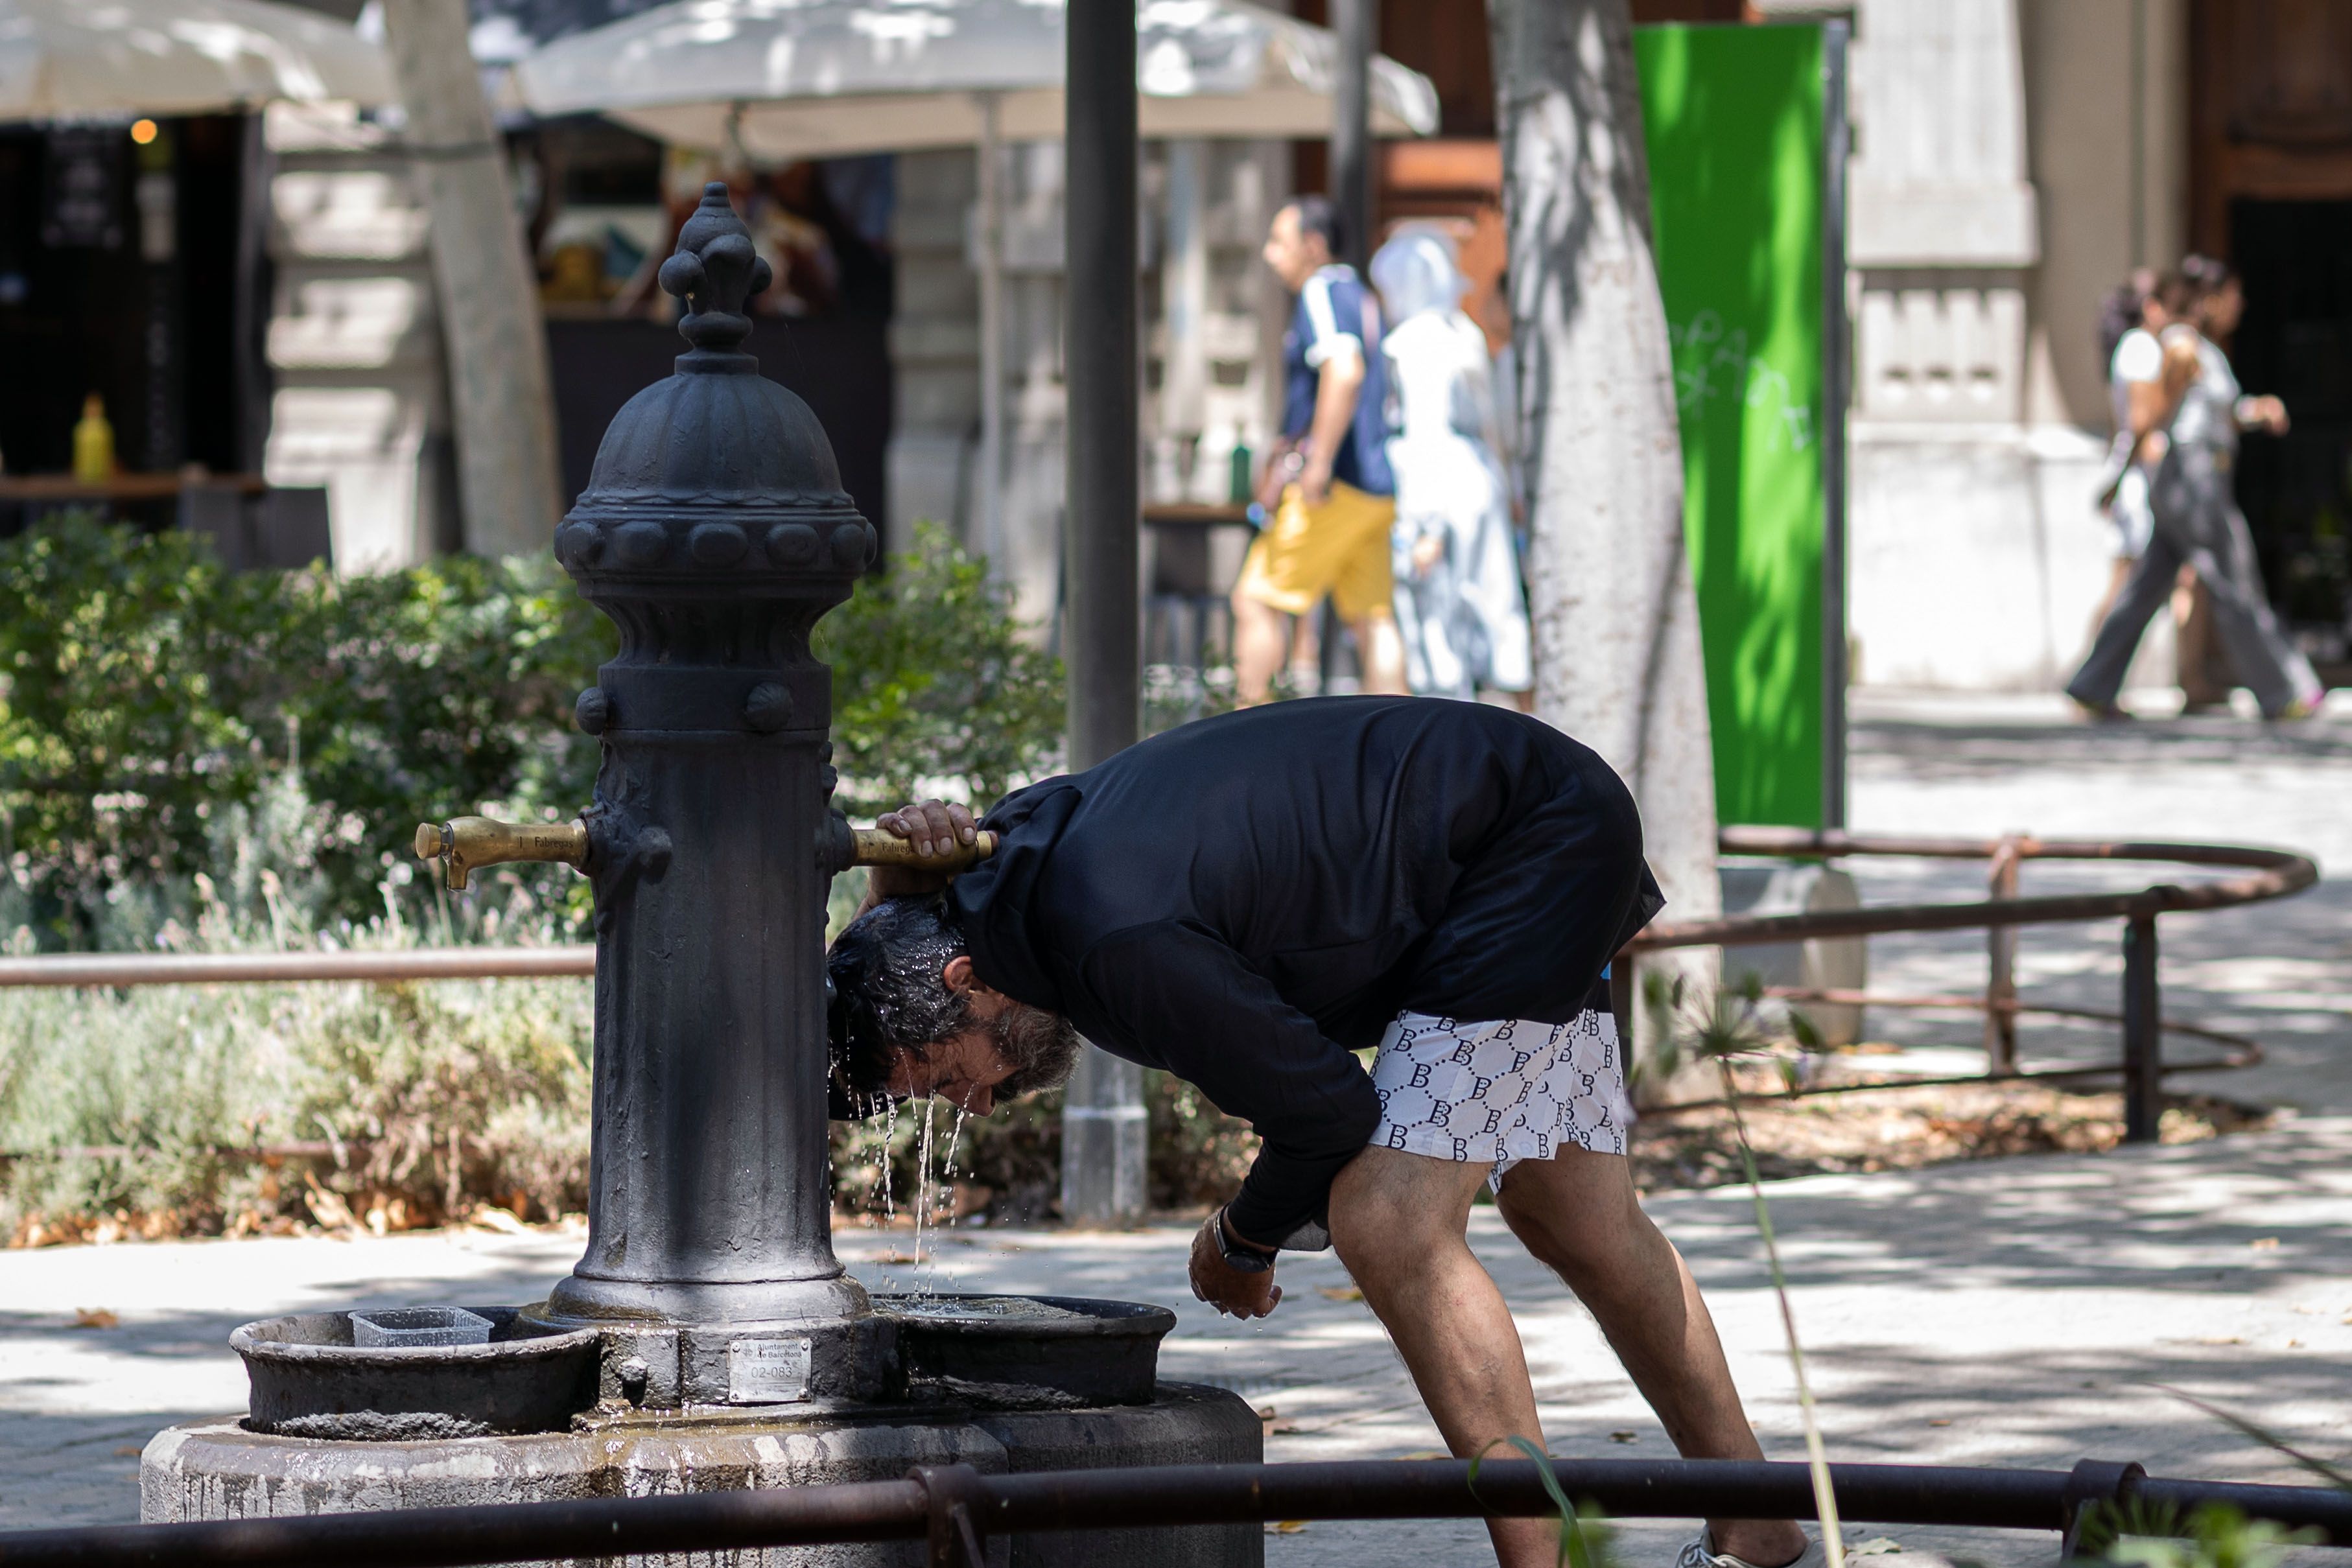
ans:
x=1246 y=901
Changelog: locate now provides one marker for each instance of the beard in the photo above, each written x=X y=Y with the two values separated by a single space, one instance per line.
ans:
x=1042 y=1046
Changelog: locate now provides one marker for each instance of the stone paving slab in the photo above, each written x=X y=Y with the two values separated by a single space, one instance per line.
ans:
x=1981 y=766
x=2018 y=1312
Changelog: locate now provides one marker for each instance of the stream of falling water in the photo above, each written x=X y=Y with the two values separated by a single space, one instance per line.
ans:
x=937 y=1197
x=933 y=1198
x=922 y=1187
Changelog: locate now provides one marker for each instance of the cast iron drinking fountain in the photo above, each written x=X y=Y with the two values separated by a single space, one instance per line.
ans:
x=709 y=1339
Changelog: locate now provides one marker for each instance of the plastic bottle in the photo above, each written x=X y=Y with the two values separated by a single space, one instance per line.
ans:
x=93 y=443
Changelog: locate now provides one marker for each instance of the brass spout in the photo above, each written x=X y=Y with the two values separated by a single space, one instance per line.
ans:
x=873 y=846
x=464 y=842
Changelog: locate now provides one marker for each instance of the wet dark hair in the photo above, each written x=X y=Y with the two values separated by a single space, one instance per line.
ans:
x=1319 y=215
x=886 y=993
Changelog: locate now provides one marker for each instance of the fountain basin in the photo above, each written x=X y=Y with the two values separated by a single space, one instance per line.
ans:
x=311 y=1380
x=1028 y=1352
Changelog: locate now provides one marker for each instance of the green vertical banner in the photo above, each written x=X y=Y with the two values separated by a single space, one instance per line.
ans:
x=1734 y=118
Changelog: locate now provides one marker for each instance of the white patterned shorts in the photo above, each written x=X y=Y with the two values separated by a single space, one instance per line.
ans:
x=1501 y=1093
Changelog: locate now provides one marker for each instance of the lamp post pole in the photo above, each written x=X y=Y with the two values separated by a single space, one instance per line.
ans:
x=1353 y=22
x=1103 y=1129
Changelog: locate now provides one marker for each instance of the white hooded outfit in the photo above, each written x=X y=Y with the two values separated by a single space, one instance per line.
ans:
x=1464 y=621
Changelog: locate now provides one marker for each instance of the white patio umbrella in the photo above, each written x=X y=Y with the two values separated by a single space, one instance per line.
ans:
x=773 y=80
x=75 y=58
x=779 y=79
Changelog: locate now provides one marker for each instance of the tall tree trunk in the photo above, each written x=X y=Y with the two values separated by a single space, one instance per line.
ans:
x=1615 y=620
x=488 y=292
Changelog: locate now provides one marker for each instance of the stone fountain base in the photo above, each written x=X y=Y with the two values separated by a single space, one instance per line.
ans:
x=219 y=1469
x=1004 y=1384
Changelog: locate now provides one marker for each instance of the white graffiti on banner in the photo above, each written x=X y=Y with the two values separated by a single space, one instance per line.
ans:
x=1711 y=363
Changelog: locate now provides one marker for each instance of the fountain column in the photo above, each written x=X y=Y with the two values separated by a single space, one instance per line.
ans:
x=714 y=532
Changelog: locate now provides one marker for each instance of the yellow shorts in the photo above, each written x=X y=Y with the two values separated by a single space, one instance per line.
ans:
x=1340 y=548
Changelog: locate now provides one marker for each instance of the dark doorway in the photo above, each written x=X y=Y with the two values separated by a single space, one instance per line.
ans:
x=2295 y=341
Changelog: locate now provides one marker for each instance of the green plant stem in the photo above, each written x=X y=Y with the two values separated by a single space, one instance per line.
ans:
x=1816 y=1456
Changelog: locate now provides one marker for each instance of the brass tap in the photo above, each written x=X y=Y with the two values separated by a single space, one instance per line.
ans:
x=464 y=842
x=874 y=846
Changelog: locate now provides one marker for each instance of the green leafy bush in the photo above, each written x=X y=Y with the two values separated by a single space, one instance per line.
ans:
x=164 y=719
x=200 y=759
x=936 y=684
x=202 y=1110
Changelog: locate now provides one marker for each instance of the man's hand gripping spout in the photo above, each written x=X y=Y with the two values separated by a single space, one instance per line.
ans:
x=1223 y=1275
x=934 y=827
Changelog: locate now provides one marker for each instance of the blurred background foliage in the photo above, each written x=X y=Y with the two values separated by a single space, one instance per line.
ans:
x=162 y=719
x=197 y=760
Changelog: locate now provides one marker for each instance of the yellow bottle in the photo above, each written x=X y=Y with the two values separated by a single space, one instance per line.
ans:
x=93 y=443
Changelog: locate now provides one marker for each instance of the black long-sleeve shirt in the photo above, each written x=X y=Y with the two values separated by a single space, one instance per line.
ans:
x=1247 y=900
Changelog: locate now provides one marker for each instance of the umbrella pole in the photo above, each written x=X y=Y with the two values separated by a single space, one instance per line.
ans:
x=992 y=336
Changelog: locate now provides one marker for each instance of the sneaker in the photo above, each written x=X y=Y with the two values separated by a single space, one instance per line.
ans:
x=1701 y=1553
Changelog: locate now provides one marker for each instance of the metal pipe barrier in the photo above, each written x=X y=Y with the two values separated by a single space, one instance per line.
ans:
x=956 y=1509
x=2275 y=875
x=379 y=965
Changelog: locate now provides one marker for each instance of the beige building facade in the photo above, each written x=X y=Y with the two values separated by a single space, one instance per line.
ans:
x=2014 y=161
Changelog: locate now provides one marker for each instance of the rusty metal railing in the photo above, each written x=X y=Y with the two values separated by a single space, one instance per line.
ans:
x=380 y=965
x=2276 y=873
x=956 y=1510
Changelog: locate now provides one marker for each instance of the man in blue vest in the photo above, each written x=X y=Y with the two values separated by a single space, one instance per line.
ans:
x=1328 y=484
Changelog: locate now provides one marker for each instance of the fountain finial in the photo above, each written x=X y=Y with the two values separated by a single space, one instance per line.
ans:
x=714 y=270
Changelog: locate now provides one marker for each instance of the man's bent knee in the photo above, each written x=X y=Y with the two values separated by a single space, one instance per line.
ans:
x=1579 y=1205
x=1386 y=1201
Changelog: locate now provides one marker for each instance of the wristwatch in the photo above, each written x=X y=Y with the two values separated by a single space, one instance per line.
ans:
x=1247 y=1260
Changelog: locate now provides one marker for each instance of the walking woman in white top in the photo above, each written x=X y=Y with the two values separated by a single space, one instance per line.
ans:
x=2190 y=449
x=1459 y=602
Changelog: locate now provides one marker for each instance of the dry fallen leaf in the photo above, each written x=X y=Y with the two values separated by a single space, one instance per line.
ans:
x=1624 y=1436
x=1426 y=1454
x=2265 y=1243
x=96 y=1318
x=2222 y=1339
x=1339 y=1292
x=1285 y=1527
x=1939 y=1420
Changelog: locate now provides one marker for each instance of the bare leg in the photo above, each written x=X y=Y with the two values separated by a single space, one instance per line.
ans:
x=1260 y=641
x=1399 y=1222
x=1382 y=647
x=1578 y=1214
x=1307 y=653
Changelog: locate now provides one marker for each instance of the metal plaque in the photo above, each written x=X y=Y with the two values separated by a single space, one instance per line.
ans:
x=767 y=1371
